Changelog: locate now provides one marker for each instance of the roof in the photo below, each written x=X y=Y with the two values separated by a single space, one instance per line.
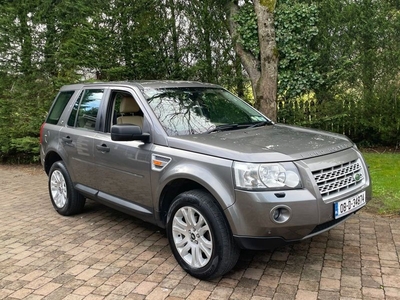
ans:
x=141 y=84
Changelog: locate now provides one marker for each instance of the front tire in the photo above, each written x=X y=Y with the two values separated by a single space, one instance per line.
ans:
x=65 y=199
x=199 y=236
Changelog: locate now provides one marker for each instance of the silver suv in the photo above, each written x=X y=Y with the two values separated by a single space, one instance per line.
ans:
x=201 y=163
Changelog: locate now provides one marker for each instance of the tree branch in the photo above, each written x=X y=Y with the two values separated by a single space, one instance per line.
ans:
x=250 y=63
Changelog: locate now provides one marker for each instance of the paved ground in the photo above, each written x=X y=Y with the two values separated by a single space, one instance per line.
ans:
x=103 y=254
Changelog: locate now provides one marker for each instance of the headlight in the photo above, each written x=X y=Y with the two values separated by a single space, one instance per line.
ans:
x=266 y=176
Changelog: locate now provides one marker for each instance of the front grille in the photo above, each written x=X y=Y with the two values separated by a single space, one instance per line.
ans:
x=339 y=179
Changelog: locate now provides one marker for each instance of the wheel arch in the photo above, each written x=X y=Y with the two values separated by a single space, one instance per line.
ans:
x=50 y=159
x=180 y=185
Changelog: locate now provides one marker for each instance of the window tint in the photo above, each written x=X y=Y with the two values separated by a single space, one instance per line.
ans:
x=84 y=112
x=74 y=112
x=59 y=106
x=184 y=111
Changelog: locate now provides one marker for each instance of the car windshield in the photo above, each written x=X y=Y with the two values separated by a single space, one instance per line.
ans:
x=184 y=111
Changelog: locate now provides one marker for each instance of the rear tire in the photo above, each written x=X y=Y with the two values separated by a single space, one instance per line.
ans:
x=65 y=199
x=199 y=235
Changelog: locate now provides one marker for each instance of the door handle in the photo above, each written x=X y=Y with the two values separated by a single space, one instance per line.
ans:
x=103 y=148
x=67 y=139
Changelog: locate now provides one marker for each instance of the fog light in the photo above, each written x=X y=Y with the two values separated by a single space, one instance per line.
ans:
x=277 y=213
x=280 y=214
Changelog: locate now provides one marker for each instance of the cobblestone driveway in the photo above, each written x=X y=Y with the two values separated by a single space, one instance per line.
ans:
x=104 y=254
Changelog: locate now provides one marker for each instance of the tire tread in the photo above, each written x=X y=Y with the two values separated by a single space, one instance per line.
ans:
x=227 y=249
x=76 y=201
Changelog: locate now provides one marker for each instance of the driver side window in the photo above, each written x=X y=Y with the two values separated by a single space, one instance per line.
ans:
x=124 y=109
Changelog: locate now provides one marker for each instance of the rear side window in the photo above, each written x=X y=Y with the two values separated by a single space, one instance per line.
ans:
x=84 y=112
x=59 y=105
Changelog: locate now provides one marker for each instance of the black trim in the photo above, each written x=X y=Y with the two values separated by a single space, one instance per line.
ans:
x=142 y=212
x=329 y=224
x=259 y=243
x=86 y=191
x=122 y=205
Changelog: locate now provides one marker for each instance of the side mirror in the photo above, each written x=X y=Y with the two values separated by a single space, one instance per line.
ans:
x=128 y=132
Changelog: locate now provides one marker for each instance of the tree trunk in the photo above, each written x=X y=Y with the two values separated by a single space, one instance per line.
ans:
x=266 y=88
x=176 y=72
x=263 y=70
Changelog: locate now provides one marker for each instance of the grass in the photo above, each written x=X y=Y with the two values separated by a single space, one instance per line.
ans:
x=384 y=169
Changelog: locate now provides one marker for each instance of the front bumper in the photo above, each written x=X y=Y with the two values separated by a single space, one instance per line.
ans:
x=269 y=243
x=307 y=213
x=253 y=225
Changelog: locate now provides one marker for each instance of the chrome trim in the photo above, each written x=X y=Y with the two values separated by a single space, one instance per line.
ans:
x=339 y=179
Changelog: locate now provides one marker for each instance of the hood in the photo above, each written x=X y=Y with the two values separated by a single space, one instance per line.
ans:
x=264 y=144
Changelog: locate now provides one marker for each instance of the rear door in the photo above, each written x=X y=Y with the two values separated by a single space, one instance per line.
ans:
x=77 y=136
x=49 y=132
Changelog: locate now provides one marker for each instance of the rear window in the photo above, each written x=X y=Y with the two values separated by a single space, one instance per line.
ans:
x=58 y=107
x=84 y=112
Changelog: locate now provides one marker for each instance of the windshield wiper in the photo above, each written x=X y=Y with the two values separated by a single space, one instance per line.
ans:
x=223 y=127
x=226 y=127
x=260 y=124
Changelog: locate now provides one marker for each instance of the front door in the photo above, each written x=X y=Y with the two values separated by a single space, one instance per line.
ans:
x=123 y=168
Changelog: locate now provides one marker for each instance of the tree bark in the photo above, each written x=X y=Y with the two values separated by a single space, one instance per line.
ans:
x=266 y=88
x=176 y=72
x=262 y=70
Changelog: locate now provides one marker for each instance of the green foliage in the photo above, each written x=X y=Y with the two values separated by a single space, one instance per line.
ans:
x=355 y=67
x=359 y=58
x=384 y=171
x=339 y=61
x=27 y=145
x=204 y=45
x=45 y=44
x=247 y=29
x=23 y=105
x=296 y=27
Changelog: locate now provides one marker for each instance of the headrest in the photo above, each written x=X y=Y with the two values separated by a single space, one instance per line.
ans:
x=128 y=105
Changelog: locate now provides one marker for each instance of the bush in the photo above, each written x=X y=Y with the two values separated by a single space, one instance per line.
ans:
x=24 y=102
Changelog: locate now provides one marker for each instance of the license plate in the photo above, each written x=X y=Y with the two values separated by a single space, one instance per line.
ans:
x=349 y=205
